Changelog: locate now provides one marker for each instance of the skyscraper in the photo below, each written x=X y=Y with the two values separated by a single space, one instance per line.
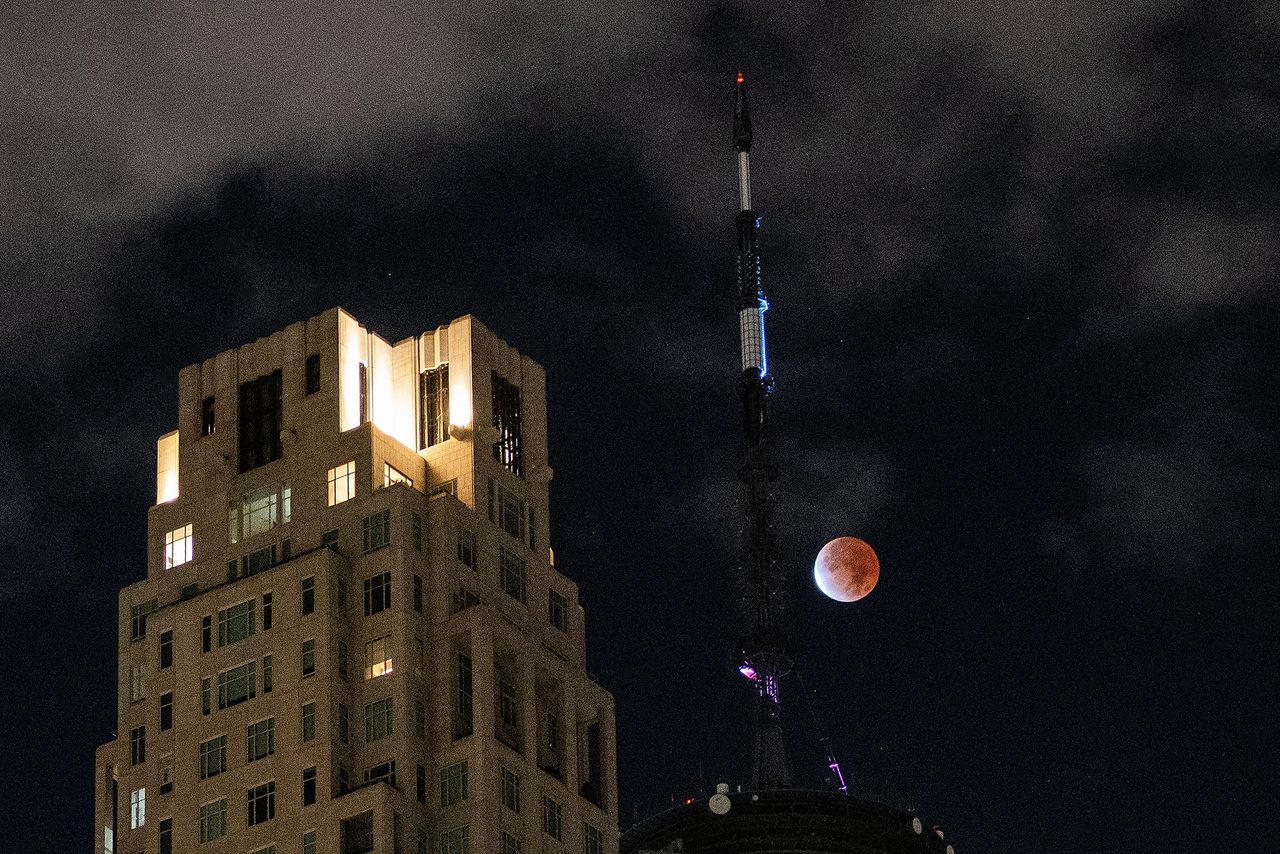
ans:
x=352 y=636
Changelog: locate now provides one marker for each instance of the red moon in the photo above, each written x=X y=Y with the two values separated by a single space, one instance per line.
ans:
x=847 y=569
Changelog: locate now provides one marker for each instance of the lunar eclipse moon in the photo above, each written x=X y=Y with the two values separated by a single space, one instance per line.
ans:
x=846 y=569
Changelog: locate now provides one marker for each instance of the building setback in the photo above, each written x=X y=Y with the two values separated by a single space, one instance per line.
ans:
x=352 y=636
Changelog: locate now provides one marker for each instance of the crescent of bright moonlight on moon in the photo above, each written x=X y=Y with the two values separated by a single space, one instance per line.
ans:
x=847 y=569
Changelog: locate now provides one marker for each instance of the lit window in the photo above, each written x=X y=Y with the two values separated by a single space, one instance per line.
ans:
x=456 y=841
x=377 y=657
x=378 y=719
x=593 y=839
x=261 y=803
x=377 y=593
x=550 y=817
x=376 y=529
x=137 y=808
x=510 y=790
x=453 y=784
x=512 y=575
x=308 y=721
x=308 y=657
x=178 y=547
x=260 y=739
x=237 y=684
x=138 y=745
x=213 y=756
x=342 y=483
x=506 y=417
x=391 y=474
x=213 y=820
x=236 y=623
x=557 y=610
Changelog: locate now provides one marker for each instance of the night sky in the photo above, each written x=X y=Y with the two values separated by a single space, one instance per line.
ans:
x=1023 y=263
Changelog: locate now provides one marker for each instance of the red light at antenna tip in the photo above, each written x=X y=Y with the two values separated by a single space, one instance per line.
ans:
x=740 y=78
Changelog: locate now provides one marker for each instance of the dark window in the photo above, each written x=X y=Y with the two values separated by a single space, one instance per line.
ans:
x=262 y=803
x=467 y=547
x=308 y=721
x=260 y=421
x=364 y=392
x=236 y=623
x=138 y=619
x=206 y=691
x=557 y=611
x=506 y=417
x=417 y=593
x=206 y=633
x=344 y=782
x=266 y=674
x=166 y=649
x=266 y=611
x=237 y=684
x=213 y=756
x=138 y=745
x=313 y=373
x=166 y=836
x=308 y=657
x=511 y=513
x=308 y=786
x=381 y=771
x=308 y=595
x=435 y=405
x=376 y=529
x=422 y=785
x=462 y=701
x=260 y=560
x=512 y=575
x=377 y=593
x=330 y=538
x=207 y=424
x=166 y=711
x=357 y=833
x=309 y=843
x=260 y=739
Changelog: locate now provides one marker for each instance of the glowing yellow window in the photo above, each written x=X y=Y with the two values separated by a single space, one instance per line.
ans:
x=342 y=483
x=178 y=547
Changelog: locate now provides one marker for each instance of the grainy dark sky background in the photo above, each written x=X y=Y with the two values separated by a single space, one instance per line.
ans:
x=1023 y=260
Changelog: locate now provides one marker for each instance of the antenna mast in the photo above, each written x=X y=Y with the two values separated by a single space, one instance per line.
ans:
x=763 y=659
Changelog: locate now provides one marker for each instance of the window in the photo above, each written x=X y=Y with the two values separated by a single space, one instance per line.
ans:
x=137 y=808
x=309 y=842
x=342 y=483
x=138 y=619
x=266 y=674
x=463 y=701
x=510 y=790
x=510 y=844
x=376 y=530
x=357 y=833
x=313 y=373
x=166 y=836
x=377 y=657
x=166 y=773
x=206 y=691
x=329 y=539
x=261 y=803
x=266 y=612
x=417 y=593
x=308 y=656
x=510 y=513
x=137 y=682
x=213 y=756
x=592 y=839
x=435 y=405
x=453 y=784
x=308 y=721
x=456 y=841
x=308 y=595
x=166 y=649
x=213 y=820
x=506 y=417
x=422 y=784
x=381 y=771
x=308 y=786
x=512 y=575
x=391 y=474
x=258 y=560
x=178 y=547
x=259 y=511
x=377 y=593
x=260 y=421
x=137 y=745
x=443 y=488
x=377 y=719
x=166 y=711
x=557 y=611
x=467 y=547
x=550 y=817
x=363 y=372
x=206 y=633
x=508 y=706
x=260 y=739
x=236 y=623
x=207 y=417
x=237 y=684
x=417 y=531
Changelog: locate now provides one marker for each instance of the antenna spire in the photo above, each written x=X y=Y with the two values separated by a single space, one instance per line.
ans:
x=763 y=659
